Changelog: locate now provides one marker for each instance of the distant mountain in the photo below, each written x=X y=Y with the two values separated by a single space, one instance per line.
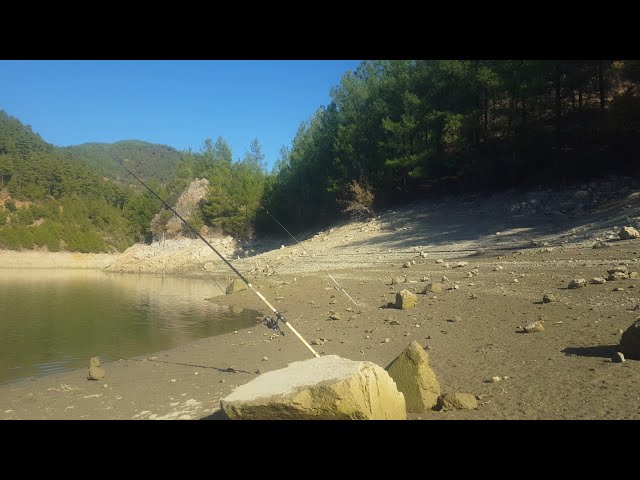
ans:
x=149 y=161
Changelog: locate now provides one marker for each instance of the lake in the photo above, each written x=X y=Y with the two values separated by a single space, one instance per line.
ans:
x=55 y=320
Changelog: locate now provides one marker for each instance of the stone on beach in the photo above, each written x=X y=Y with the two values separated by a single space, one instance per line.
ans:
x=236 y=286
x=322 y=388
x=415 y=379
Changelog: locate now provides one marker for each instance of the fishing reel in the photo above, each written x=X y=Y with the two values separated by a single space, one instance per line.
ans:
x=272 y=323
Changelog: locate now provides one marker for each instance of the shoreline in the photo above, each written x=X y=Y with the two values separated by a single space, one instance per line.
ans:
x=41 y=260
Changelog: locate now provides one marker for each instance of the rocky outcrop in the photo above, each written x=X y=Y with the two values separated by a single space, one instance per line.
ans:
x=322 y=388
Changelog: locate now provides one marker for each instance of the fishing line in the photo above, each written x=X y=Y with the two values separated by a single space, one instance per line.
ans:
x=270 y=322
x=311 y=256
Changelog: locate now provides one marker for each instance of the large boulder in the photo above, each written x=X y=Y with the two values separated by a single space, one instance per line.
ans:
x=236 y=286
x=406 y=300
x=630 y=341
x=415 y=379
x=322 y=388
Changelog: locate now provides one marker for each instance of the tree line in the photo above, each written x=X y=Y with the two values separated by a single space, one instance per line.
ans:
x=403 y=130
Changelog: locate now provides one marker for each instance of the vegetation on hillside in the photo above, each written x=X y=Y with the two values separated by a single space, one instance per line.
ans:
x=394 y=131
x=51 y=201
x=150 y=161
x=407 y=129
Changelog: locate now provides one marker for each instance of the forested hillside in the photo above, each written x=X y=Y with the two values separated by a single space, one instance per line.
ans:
x=49 y=201
x=151 y=161
x=396 y=131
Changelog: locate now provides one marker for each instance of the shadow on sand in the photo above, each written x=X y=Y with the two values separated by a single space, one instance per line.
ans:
x=602 y=351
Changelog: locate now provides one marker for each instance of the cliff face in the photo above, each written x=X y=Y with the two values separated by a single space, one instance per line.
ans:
x=185 y=206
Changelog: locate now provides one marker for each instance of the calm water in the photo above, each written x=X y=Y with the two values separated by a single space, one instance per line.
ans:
x=55 y=320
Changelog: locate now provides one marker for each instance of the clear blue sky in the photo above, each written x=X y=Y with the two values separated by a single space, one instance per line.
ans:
x=176 y=103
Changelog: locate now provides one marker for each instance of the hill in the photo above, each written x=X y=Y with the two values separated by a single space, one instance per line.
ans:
x=50 y=201
x=150 y=161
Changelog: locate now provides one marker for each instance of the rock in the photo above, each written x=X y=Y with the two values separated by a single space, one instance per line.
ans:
x=394 y=322
x=497 y=268
x=386 y=340
x=423 y=255
x=94 y=362
x=96 y=373
x=335 y=316
x=630 y=341
x=455 y=318
x=473 y=296
x=617 y=276
x=445 y=279
x=633 y=274
x=492 y=379
x=618 y=289
x=618 y=269
x=601 y=245
x=577 y=283
x=598 y=280
x=627 y=233
x=534 y=327
x=549 y=297
x=618 y=357
x=439 y=260
x=457 y=401
x=406 y=300
x=265 y=359
x=433 y=288
x=406 y=265
x=236 y=286
x=414 y=378
x=461 y=264
x=321 y=388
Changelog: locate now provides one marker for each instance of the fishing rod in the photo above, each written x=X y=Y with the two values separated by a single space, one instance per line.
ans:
x=270 y=322
x=205 y=269
x=311 y=256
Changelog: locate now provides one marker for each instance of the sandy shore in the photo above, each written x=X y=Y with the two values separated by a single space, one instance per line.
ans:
x=564 y=372
x=472 y=332
x=34 y=259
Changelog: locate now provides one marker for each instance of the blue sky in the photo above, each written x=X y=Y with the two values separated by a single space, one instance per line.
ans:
x=176 y=103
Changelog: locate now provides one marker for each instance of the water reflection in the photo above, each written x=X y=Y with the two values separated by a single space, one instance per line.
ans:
x=55 y=320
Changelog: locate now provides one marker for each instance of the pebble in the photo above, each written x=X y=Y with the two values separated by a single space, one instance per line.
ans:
x=534 y=327
x=439 y=260
x=549 y=297
x=492 y=380
x=577 y=283
x=618 y=289
x=598 y=281
x=618 y=357
x=386 y=340
x=264 y=359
